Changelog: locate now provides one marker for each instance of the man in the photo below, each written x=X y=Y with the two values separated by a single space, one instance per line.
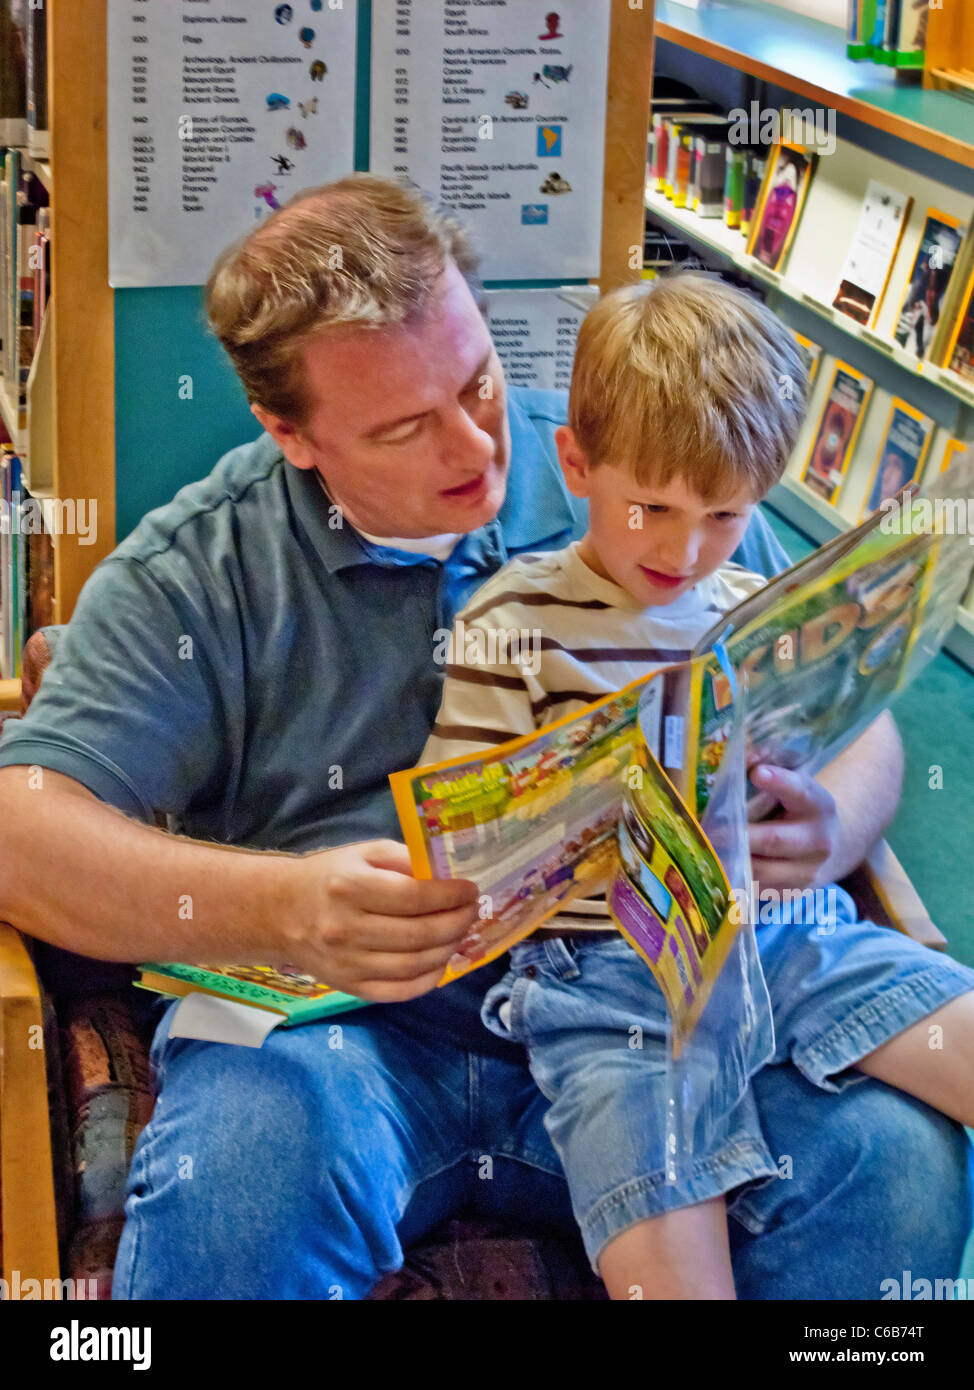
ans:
x=253 y=661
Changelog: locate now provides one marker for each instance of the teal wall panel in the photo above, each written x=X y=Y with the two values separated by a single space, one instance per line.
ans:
x=161 y=440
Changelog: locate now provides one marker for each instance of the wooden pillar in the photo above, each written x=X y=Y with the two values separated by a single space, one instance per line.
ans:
x=81 y=299
x=626 y=136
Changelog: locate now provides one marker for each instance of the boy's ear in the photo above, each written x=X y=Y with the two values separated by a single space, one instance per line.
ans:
x=287 y=437
x=574 y=463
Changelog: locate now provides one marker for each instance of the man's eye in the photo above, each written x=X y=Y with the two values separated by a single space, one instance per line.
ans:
x=402 y=435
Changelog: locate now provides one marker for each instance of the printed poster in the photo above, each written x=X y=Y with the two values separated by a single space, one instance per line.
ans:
x=534 y=332
x=219 y=111
x=498 y=110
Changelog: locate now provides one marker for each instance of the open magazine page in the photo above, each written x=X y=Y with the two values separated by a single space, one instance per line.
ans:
x=532 y=822
x=826 y=657
x=671 y=898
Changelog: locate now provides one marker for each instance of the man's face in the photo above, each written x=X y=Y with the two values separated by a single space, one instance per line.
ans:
x=656 y=542
x=408 y=430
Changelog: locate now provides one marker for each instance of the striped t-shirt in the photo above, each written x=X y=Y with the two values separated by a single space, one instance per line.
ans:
x=547 y=635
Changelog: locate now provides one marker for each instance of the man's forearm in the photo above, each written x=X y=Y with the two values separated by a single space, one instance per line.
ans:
x=80 y=875
x=865 y=781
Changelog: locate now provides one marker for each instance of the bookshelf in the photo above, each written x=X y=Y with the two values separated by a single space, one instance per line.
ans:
x=67 y=429
x=765 y=42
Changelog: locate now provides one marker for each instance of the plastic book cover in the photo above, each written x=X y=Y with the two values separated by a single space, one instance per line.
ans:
x=902 y=454
x=959 y=356
x=779 y=209
x=811 y=356
x=826 y=656
x=927 y=283
x=838 y=429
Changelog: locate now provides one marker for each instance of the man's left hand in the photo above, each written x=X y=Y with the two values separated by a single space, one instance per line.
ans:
x=793 y=850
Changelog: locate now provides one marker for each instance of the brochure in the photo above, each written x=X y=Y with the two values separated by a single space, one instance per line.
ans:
x=901 y=455
x=869 y=263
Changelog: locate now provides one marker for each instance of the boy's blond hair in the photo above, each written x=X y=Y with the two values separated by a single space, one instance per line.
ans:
x=687 y=376
x=362 y=251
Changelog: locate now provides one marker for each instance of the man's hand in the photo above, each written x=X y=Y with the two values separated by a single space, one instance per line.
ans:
x=793 y=850
x=362 y=923
x=830 y=822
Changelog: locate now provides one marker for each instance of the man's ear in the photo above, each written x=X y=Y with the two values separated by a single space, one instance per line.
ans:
x=574 y=463
x=287 y=437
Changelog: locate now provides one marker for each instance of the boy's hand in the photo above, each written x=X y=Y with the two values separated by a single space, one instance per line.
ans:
x=793 y=850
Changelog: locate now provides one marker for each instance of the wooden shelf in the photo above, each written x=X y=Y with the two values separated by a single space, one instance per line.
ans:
x=770 y=43
x=713 y=234
x=10 y=695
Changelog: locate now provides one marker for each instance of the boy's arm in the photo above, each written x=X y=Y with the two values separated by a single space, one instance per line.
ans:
x=831 y=821
x=485 y=701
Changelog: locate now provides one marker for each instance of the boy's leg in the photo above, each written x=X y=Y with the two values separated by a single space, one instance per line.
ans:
x=680 y=1255
x=842 y=989
x=289 y=1171
x=596 y=1026
x=933 y=1060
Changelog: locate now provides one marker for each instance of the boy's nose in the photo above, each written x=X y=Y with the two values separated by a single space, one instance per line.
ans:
x=678 y=552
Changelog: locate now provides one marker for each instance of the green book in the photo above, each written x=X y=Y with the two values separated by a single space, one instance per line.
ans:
x=298 y=998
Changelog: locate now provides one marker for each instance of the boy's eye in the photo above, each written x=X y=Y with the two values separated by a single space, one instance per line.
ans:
x=654 y=508
x=726 y=516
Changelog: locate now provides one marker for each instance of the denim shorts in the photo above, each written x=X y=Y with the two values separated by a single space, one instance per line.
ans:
x=838 y=989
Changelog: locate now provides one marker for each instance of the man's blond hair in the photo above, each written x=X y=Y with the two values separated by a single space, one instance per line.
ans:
x=363 y=251
x=687 y=376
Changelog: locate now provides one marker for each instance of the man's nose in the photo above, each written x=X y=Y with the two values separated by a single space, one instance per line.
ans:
x=467 y=442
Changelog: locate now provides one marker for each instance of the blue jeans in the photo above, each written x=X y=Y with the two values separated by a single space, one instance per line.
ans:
x=301 y=1170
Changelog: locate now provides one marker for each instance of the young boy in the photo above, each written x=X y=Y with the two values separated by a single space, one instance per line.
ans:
x=685 y=403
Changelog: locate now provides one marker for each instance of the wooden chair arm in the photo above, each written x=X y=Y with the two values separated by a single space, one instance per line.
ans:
x=883 y=893
x=28 y=1223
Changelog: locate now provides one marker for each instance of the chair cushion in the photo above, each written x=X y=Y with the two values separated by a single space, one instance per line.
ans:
x=109 y=1099
x=469 y=1260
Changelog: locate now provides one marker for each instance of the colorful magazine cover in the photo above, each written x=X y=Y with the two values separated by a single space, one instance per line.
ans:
x=580 y=807
x=811 y=356
x=838 y=429
x=959 y=356
x=928 y=281
x=780 y=204
x=869 y=262
x=952 y=448
x=901 y=455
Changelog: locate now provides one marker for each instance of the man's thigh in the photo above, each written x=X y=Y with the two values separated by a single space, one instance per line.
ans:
x=298 y=1169
x=872 y=1182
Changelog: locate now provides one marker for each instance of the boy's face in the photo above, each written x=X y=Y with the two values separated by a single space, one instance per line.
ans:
x=656 y=542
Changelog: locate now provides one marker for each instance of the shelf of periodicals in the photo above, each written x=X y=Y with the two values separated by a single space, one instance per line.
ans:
x=877 y=401
x=26 y=411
